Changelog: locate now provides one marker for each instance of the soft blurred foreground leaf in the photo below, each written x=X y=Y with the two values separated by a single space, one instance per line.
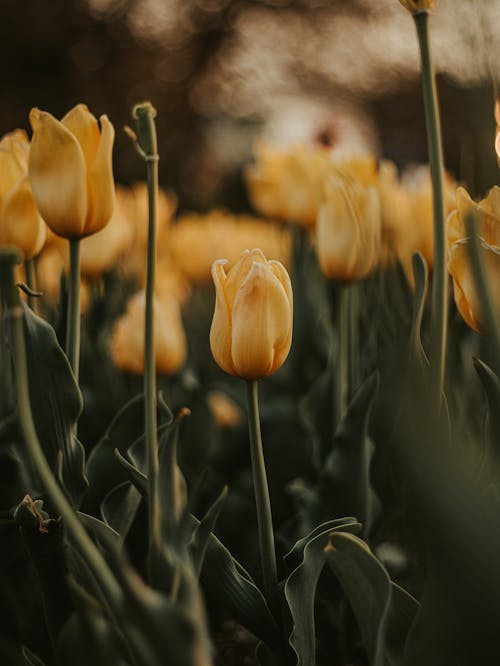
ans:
x=383 y=612
x=300 y=586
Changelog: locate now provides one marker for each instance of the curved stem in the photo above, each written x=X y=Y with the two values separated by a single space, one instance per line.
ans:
x=73 y=316
x=262 y=501
x=107 y=582
x=29 y=268
x=439 y=300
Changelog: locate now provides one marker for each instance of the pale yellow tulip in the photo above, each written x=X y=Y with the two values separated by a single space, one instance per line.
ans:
x=70 y=169
x=127 y=340
x=348 y=230
x=251 y=329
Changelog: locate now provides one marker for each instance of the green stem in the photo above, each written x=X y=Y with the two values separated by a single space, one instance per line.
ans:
x=29 y=268
x=354 y=372
x=73 y=316
x=146 y=130
x=487 y=310
x=439 y=298
x=341 y=360
x=262 y=501
x=77 y=533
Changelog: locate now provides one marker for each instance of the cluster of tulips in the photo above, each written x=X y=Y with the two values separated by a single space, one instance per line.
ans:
x=373 y=535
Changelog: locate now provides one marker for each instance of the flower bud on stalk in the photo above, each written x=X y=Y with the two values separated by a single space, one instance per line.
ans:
x=70 y=169
x=20 y=222
x=415 y=6
x=251 y=329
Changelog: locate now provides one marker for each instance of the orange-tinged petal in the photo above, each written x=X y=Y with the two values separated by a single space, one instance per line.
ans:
x=83 y=125
x=220 y=331
x=58 y=175
x=261 y=320
x=21 y=223
x=100 y=181
x=464 y=288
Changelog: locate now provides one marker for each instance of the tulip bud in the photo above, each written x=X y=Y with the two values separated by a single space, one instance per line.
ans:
x=487 y=215
x=20 y=222
x=251 y=329
x=127 y=343
x=415 y=6
x=70 y=169
x=348 y=230
x=464 y=287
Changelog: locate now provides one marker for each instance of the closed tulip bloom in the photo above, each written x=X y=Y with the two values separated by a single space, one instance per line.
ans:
x=127 y=342
x=251 y=329
x=287 y=184
x=20 y=222
x=464 y=288
x=418 y=5
x=348 y=230
x=487 y=216
x=70 y=169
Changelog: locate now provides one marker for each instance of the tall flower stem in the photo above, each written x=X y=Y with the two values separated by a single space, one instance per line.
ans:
x=144 y=115
x=13 y=312
x=341 y=359
x=262 y=502
x=73 y=314
x=439 y=298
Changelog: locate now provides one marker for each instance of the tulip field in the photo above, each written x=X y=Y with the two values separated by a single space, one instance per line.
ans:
x=235 y=439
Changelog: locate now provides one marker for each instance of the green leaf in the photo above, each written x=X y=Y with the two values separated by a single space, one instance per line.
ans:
x=227 y=583
x=202 y=531
x=344 y=482
x=56 y=402
x=300 y=587
x=119 y=508
x=417 y=353
x=367 y=587
x=30 y=657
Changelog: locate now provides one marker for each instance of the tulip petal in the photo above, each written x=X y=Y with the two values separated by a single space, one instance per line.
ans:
x=282 y=348
x=83 y=125
x=239 y=271
x=220 y=331
x=261 y=320
x=21 y=222
x=58 y=176
x=100 y=181
x=13 y=163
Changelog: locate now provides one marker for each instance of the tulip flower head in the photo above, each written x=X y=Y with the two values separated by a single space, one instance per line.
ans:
x=127 y=339
x=415 y=6
x=20 y=222
x=251 y=329
x=70 y=170
x=464 y=287
x=348 y=230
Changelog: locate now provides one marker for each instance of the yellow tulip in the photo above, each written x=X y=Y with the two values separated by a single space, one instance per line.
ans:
x=70 y=169
x=20 y=222
x=127 y=340
x=287 y=184
x=418 y=5
x=196 y=241
x=464 y=288
x=487 y=216
x=348 y=230
x=251 y=329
